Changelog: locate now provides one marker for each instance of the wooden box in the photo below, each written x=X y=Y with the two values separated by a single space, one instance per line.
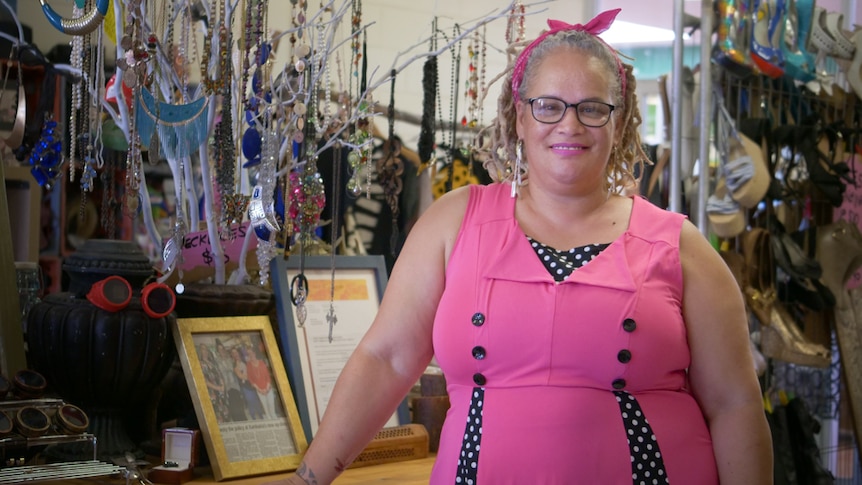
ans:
x=399 y=443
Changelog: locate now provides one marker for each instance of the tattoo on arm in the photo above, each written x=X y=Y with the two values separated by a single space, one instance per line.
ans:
x=306 y=474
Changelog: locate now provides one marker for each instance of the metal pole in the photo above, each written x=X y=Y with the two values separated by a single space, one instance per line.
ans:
x=705 y=113
x=674 y=198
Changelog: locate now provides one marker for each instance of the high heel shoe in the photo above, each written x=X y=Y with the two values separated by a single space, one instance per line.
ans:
x=767 y=32
x=798 y=62
x=789 y=255
x=822 y=46
x=839 y=251
x=780 y=336
x=826 y=175
x=842 y=47
x=733 y=42
x=854 y=72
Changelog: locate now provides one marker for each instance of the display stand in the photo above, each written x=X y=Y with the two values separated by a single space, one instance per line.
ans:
x=16 y=449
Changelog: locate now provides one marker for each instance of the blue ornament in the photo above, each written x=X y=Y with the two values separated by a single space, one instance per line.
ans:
x=262 y=232
x=265 y=49
x=251 y=143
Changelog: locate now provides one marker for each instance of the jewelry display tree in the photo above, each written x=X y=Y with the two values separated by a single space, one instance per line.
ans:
x=196 y=96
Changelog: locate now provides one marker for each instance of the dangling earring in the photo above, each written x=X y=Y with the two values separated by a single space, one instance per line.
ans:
x=610 y=181
x=516 y=173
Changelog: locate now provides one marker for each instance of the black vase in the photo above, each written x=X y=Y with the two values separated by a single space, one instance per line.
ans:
x=108 y=363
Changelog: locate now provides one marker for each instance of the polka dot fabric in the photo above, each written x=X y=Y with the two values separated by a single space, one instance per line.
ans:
x=468 y=464
x=647 y=463
x=561 y=263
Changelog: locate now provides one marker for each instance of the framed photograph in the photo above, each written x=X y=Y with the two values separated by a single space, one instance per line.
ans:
x=316 y=351
x=242 y=398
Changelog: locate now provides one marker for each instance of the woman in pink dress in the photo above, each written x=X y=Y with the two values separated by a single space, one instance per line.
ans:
x=587 y=336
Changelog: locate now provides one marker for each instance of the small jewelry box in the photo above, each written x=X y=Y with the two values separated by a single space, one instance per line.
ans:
x=179 y=452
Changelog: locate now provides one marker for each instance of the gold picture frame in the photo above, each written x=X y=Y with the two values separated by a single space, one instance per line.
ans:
x=243 y=436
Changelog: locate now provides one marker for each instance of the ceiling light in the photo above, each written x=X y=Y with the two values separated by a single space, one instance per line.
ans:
x=622 y=32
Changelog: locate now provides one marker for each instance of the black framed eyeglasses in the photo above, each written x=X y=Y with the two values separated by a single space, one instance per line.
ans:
x=550 y=110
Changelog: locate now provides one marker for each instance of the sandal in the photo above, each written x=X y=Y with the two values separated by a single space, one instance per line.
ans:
x=789 y=255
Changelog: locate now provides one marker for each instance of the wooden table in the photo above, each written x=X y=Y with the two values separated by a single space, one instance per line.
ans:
x=412 y=472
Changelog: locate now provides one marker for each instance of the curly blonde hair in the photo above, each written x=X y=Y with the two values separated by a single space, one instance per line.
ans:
x=627 y=158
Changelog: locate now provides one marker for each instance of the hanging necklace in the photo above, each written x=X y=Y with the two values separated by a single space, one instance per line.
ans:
x=390 y=167
x=331 y=317
x=359 y=157
x=515 y=24
x=453 y=107
x=85 y=130
x=472 y=87
x=77 y=60
x=133 y=63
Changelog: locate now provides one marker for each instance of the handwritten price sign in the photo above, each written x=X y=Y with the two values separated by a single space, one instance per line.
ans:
x=851 y=209
x=198 y=251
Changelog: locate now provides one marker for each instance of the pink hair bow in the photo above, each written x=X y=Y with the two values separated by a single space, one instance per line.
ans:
x=596 y=26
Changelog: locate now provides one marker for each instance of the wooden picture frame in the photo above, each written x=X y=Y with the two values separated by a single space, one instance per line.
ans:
x=313 y=362
x=243 y=436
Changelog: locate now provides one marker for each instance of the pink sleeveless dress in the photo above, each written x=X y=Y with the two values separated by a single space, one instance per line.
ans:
x=575 y=382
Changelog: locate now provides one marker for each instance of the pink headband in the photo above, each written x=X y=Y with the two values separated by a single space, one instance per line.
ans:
x=596 y=26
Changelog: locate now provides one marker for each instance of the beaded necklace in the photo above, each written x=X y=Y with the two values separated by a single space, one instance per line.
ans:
x=390 y=167
x=475 y=82
x=77 y=60
x=360 y=155
x=133 y=63
x=217 y=84
x=453 y=106
x=427 y=131
x=83 y=128
x=515 y=24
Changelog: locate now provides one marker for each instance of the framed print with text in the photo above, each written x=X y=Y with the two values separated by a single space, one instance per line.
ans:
x=241 y=395
x=353 y=290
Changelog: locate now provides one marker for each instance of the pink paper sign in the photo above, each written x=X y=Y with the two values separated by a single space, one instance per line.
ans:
x=197 y=250
x=851 y=209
